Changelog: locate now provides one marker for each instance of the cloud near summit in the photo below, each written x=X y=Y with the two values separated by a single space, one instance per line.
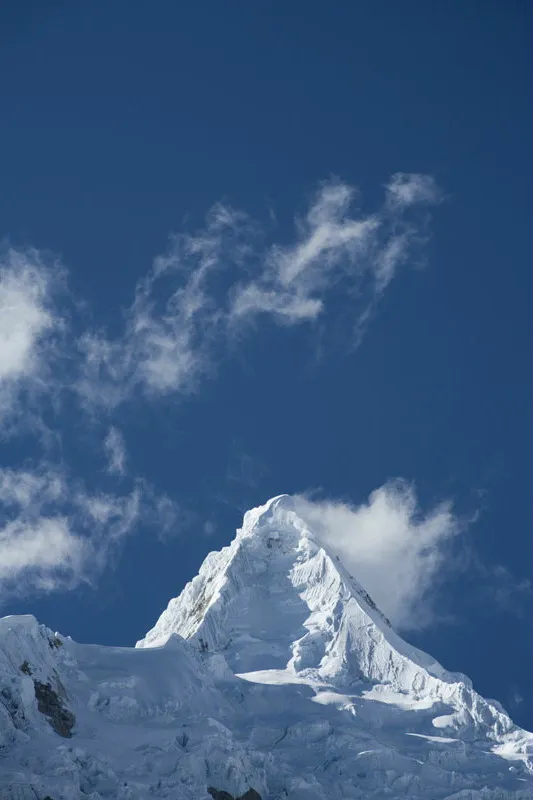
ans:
x=391 y=546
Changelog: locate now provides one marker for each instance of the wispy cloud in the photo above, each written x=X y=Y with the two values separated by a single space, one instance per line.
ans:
x=30 y=321
x=37 y=542
x=496 y=588
x=408 y=189
x=175 y=324
x=243 y=468
x=516 y=699
x=44 y=550
x=336 y=244
x=55 y=533
x=210 y=285
x=115 y=450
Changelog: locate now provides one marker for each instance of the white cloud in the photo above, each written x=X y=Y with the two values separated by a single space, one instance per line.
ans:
x=408 y=189
x=54 y=533
x=45 y=547
x=495 y=583
x=176 y=322
x=115 y=450
x=28 y=322
x=294 y=279
x=37 y=543
x=29 y=489
x=336 y=243
x=118 y=514
x=393 y=549
x=203 y=290
x=24 y=317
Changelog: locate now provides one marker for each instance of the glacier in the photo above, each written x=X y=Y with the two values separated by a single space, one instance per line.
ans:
x=272 y=675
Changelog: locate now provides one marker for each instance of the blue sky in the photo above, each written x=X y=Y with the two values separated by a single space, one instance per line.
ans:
x=256 y=248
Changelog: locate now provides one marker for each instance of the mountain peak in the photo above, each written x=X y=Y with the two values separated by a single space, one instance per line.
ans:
x=273 y=561
x=276 y=601
x=277 y=598
x=278 y=516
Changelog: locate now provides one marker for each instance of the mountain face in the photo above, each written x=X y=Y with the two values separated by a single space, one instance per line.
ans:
x=273 y=675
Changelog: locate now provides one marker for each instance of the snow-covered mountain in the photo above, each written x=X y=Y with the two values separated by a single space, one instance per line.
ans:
x=272 y=675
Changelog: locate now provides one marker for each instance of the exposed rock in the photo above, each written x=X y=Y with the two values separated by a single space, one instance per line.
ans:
x=220 y=794
x=49 y=703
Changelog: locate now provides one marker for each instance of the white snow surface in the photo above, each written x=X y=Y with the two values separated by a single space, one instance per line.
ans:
x=273 y=671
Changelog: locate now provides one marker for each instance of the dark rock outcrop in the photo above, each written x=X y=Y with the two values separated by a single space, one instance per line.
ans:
x=50 y=704
x=220 y=794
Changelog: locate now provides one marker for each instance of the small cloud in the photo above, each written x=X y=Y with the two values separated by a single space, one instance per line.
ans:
x=25 y=318
x=243 y=468
x=173 y=325
x=166 y=516
x=508 y=592
x=44 y=548
x=56 y=534
x=37 y=542
x=333 y=242
x=393 y=548
x=29 y=324
x=115 y=450
x=29 y=489
x=409 y=189
x=495 y=584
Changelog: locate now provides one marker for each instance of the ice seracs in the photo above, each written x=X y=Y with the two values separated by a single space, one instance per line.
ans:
x=272 y=674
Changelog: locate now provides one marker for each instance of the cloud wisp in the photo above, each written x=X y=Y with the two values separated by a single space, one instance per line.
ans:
x=212 y=285
x=115 y=450
x=337 y=244
x=31 y=323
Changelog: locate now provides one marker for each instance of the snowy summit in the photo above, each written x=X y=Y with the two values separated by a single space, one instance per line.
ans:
x=273 y=675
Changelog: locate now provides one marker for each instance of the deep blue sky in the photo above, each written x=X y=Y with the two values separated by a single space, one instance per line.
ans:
x=121 y=119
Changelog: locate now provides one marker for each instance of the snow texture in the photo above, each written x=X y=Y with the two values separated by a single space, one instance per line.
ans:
x=273 y=675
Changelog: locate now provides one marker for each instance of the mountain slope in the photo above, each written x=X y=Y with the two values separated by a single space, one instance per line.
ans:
x=272 y=673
